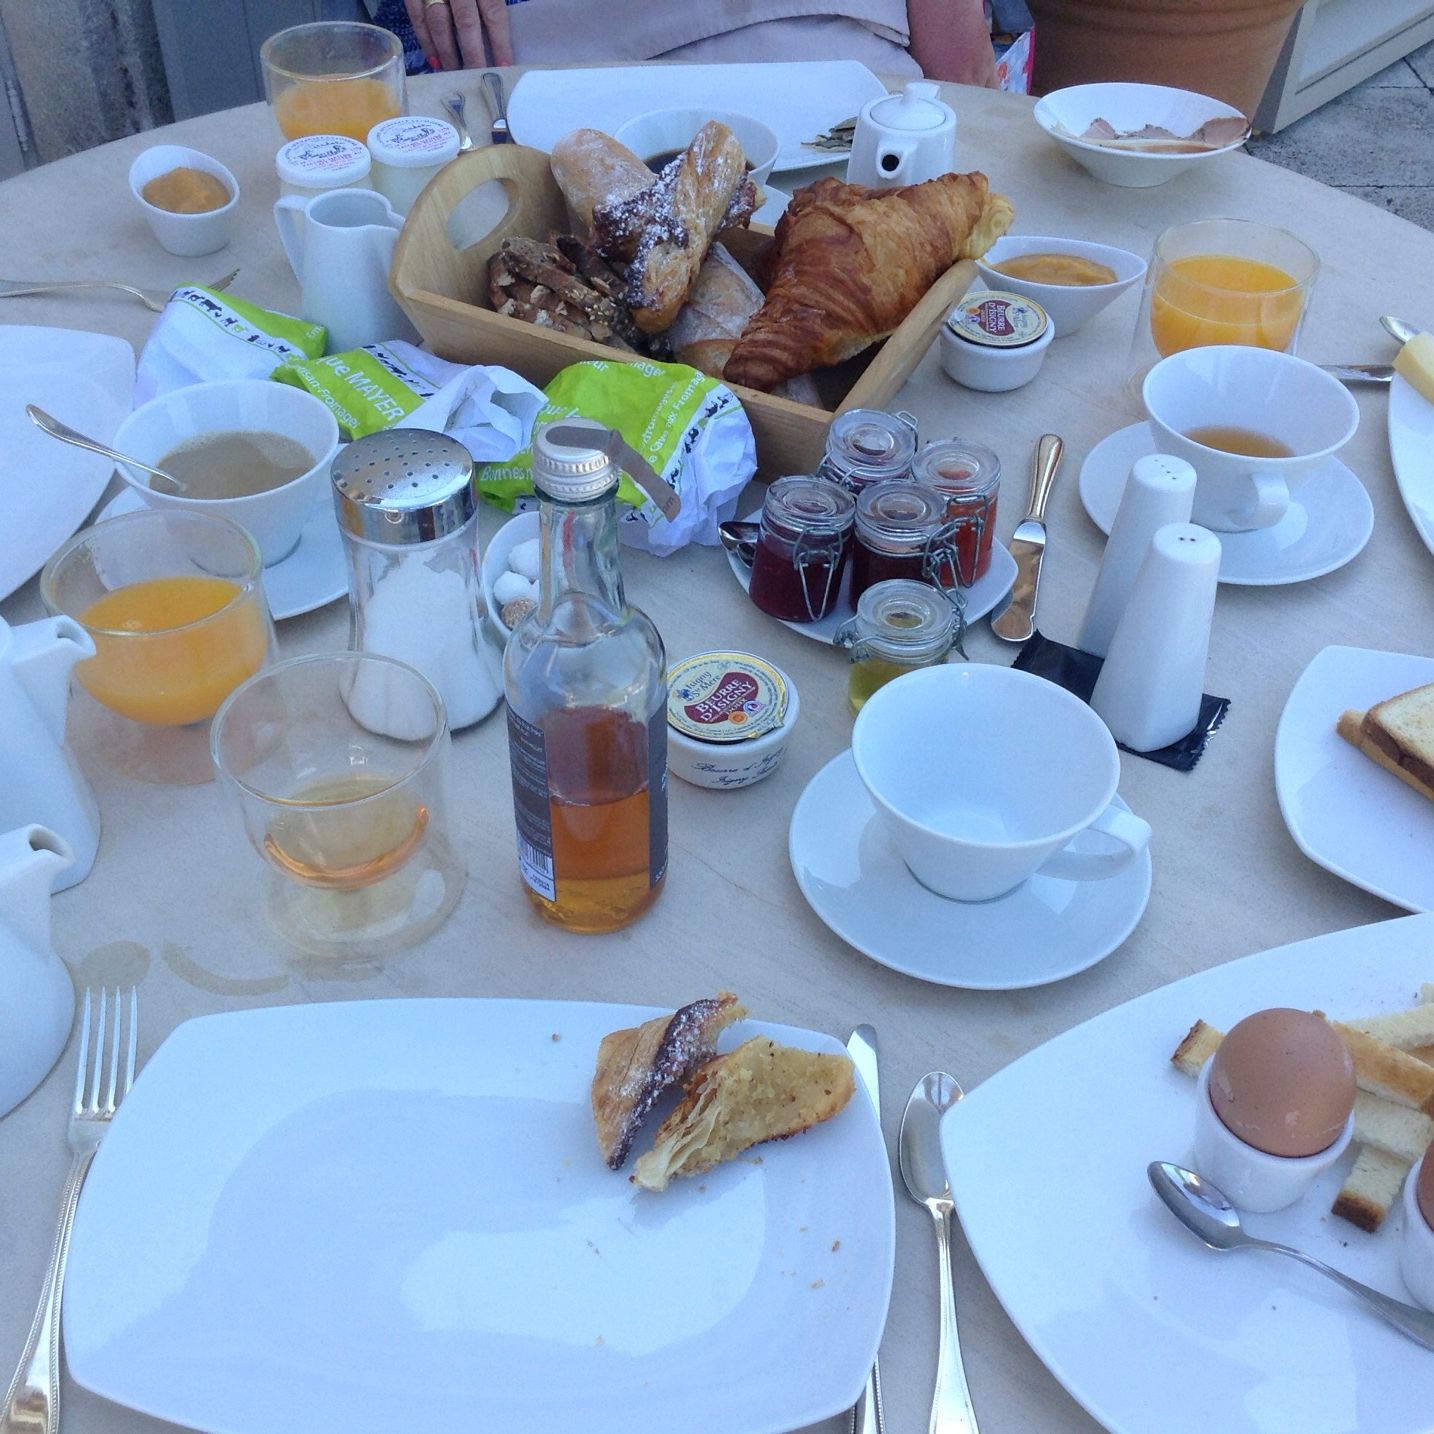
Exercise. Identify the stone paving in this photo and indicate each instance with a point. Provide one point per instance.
(1376, 140)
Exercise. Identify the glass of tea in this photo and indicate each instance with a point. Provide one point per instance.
(1222, 281)
(338, 767)
(175, 604)
(333, 77)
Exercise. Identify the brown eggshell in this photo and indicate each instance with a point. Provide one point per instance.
(1282, 1081)
(1424, 1190)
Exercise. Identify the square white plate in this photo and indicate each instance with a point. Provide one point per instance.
(797, 99)
(47, 488)
(368, 1215)
(1411, 447)
(1151, 1331)
(1345, 811)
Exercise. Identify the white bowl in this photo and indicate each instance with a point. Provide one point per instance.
(722, 766)
(243, 405)
(1067, 114)
(518, 529)
(186, 234)
(659, 131)
(1069, 305)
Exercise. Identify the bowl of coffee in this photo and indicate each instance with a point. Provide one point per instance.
(255, 451)
(659, 136)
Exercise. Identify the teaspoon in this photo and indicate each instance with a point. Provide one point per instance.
(51, 425)
(1397, 328)
(740, 539)
(919, 1147)
(1203, 1209)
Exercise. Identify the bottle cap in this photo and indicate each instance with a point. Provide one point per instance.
(413, 142)
(323, 161)
(571, 474)
(403, 485)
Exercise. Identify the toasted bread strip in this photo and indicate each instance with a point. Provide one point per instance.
(1351, 727)
(1197, 1048)
(1383, 1069)
(1407, 1029)
(1371, 1188)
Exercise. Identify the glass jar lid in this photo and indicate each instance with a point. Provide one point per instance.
(870, 444)
(903, 621)
(798, 506)
(899, 517)
(957, 468)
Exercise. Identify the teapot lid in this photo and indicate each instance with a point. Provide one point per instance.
(916, 108)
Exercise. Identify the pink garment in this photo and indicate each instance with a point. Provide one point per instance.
(713, 31)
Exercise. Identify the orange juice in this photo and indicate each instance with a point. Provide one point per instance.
(334, 106)
(159, 660)
(1222, 299)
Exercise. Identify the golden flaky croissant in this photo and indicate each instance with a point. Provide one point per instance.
(849, 263)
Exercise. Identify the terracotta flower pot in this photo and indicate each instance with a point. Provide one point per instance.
(1225, 48)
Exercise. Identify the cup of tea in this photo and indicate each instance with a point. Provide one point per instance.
(1218, 282)
(249, 449)
(337, 765)
(984, 776)
(1252, 423)
(333, 77)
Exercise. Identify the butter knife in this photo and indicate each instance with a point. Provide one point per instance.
(1360, 372)
(867, 1415)
(493, 85)
(1017, 621)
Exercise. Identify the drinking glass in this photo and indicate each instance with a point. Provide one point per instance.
(333, 77)
(175, 604)
(1221, 281)
(338, 767)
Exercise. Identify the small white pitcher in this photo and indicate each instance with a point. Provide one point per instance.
(903, 139)
(340, 245)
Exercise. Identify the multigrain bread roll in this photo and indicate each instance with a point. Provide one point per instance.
(1398, 733)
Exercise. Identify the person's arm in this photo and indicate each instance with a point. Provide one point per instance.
(455, 32)
(950, 41)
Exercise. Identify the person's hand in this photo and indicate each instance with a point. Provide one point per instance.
(462, 34)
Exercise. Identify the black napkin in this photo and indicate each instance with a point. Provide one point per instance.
(1077, 671)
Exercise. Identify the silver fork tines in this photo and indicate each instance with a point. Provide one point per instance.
(104, 1072)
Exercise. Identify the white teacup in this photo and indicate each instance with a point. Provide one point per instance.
(986, 775)
(1273, 395)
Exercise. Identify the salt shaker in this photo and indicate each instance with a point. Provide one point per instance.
(1149, 690)
(409, 517)
(1160, 490)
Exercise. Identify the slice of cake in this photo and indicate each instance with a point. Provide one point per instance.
(635, 1066)
(1398, 733)
(761, 1091)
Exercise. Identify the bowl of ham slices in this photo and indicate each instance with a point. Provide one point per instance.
(1138, 136)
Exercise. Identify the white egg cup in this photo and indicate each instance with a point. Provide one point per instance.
(1252, 1179)
(1416, 1251)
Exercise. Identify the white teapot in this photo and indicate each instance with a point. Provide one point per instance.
(37, 997)
(903, 139)
(40, 781)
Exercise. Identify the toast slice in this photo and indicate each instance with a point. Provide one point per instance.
(1398, 733)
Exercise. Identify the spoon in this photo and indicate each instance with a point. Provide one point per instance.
(740, 539)
(1204, 1210)
(1397, 328)
(48, 424)
(456, 106)
(925, 1177)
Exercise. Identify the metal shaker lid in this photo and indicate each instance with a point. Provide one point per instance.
(404, 485)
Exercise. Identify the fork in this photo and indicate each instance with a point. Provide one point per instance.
(104, 1072)
(14, 288)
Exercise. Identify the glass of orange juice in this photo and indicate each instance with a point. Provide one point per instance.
(337, 764)
(1222, 281)
(333, 77)
(175, 604)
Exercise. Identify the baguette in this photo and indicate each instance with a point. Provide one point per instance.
(594, 171)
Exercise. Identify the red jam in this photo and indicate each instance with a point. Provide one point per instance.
(902, 532)
(802, 548)
(969, 475)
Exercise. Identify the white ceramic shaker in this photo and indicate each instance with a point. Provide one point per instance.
(1150, 688)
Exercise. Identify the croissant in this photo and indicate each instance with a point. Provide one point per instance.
(848, 263)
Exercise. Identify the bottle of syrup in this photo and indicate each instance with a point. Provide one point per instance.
(586, 683)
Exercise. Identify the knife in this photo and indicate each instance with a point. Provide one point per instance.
(493, 85)
(1017, 621)
(867, 1415)
(1360, 372)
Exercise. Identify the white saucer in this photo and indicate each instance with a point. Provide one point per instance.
(1047, 929)
(1328, 522)
(313, 575)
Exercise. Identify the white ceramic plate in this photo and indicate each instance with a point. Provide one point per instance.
(1147, 1328)
(353, 1216)
(47, 488)
(1345, 812)
(1411, 446)
(797, 99)
(982, 596)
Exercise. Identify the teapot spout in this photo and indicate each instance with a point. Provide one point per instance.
(29, 859)
(42, 656)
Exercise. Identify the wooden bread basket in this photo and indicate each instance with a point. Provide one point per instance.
(440, 277)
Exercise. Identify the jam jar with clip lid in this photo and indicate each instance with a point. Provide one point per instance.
(899, 626)
(969, 475)
(802, 548)
(902, 531)
(865, 446)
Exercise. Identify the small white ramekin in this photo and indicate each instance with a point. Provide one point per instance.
(184, 234)
(723, 765)
(1416, 1252)
(989, 369)
(1253, 1179)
